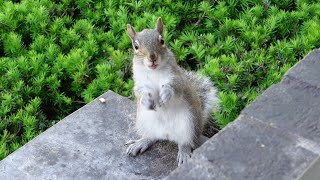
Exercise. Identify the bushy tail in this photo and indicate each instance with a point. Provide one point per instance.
(206, 91)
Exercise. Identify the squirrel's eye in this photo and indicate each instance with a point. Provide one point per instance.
(161, 41)
(136, 45)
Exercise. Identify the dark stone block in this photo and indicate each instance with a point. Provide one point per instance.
(90, 144)
(292, 105)
(308, 69)
(248, 149)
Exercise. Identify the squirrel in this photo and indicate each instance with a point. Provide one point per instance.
(173, 104)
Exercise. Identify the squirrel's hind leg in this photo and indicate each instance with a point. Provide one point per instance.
(200, 140)
(139, 146)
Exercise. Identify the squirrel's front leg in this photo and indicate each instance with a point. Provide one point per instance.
(166, 93)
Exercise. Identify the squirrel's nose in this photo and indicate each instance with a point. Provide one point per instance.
(152, 57)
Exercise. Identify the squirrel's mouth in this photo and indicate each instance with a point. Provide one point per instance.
(153, 66)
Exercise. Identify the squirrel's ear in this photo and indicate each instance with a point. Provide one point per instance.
(160, 25)
(131, 31)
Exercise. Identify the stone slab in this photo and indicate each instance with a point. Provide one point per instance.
(248, 149)
(90, 144)
(308, 69)
(292, 105)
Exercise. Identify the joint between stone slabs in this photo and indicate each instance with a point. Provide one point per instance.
(202, 162)
(308, 144)
(288, 77)
(301, 141)
(245, 115)
(307, 69)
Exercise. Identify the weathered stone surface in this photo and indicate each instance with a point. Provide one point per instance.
(89, 144)
(308, 69)
(292, 105)
(248, 149)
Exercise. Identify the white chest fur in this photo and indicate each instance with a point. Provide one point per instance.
(172, 121)
(153, 79)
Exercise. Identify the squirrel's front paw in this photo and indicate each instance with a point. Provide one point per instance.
(165, 95)
(138, 146)
(148, 102)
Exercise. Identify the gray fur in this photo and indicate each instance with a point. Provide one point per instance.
(205, 90)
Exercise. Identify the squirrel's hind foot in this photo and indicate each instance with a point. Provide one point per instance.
(184, 154)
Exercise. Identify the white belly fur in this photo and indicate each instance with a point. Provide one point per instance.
(172, 122)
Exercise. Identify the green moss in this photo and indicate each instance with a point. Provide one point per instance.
(56, 56)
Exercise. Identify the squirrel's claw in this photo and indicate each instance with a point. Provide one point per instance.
(130, 142)
(139, 146)
(182, 158)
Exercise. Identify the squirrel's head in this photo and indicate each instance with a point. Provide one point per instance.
(149, 45)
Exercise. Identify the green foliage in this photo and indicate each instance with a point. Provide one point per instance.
(55, 56)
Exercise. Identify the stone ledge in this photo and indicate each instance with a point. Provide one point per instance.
(291, 105)
(89, 144)
(248, 149)
(307, 70)
(276, 137)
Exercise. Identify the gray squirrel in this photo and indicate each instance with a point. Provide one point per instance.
(173, 104)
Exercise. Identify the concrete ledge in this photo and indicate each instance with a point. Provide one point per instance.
(89, 144)
(276, 137)
(248, 149)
